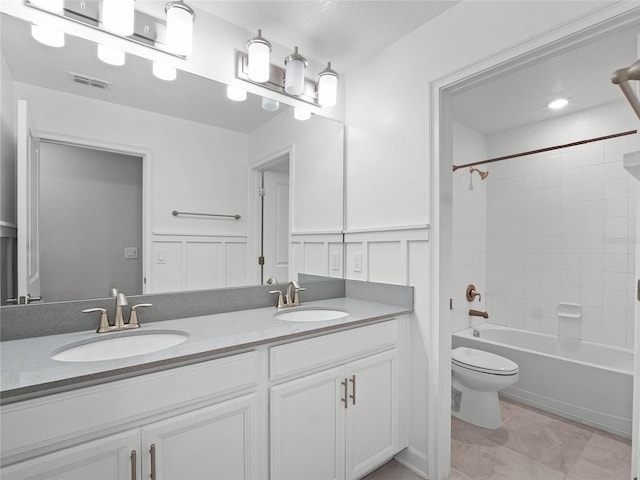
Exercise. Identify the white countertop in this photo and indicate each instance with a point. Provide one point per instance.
(29, 371)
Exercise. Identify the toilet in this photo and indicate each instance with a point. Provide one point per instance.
(476, 378)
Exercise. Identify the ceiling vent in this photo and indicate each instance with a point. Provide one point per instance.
(90, 81)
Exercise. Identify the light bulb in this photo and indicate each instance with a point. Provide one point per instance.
(236, 93)
(118, 16)
(301, 113)
(47, 35)
(180, 27)
(164, 71)
(259, 50)
(270, 105)
(294, 73)
(558, 103)
(111, 55)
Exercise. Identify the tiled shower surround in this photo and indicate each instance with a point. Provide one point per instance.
(561, 228)
(549, 228)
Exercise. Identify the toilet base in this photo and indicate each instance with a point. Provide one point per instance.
(476, 407)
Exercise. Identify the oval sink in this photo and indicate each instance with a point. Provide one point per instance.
(311, 315)
(128, 345)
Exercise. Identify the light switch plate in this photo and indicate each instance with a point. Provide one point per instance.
(335, 261)
(357, 262)
(130, 252)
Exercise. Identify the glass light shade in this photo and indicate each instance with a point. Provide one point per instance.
(118, 16)
(259, 62)
(301, 113)
(270, 105)
(47, 35)
(179, 28)
(50, 5)
(294, 77)
(111, 55)
(327, 87)
(164, 71)
(236, 94)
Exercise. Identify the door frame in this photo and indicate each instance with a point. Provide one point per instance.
(441, 91)
(147, 186)
(254, 210)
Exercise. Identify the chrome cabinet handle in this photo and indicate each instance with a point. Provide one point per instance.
(133, 465)
(345, 384)
(152, 450)
(353, 396)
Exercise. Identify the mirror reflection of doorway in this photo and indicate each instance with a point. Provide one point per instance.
(274, 237)
(90, 222)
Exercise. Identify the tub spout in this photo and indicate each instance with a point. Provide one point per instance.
(478, 313)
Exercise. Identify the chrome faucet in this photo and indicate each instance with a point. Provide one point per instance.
(118, 324)
(291, 298)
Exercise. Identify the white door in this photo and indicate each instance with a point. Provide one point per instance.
(307, 427)
(372, 416)
(276, 226)
(216, 442)
(109, 458)
(28, 178)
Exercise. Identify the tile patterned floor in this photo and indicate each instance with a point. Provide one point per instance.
(534, 445)
(530, 445)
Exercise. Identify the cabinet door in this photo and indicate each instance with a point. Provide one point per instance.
(108, 458)
(307, 427)
(217, 442)
(372, 433)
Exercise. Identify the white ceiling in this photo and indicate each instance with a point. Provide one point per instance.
(520, 97)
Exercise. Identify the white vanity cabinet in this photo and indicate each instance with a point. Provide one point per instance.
(192, 422)
(342, 421)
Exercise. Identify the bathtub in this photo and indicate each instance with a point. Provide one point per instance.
(583, 381)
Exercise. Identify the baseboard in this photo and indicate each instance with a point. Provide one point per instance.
(414, 460)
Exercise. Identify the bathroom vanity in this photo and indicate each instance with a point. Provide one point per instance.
(246, 396)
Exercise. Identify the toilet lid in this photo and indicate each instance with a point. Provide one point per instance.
(482, 361)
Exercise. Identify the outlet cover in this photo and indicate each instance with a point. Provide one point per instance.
(130, 252)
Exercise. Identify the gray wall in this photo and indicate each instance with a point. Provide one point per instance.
(90, 210)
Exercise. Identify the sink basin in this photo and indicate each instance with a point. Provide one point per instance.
(311, 315)
(121, 346)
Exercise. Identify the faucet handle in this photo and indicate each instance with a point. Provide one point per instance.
(296, 297)
(472, 293)
(133, 316)
(280, 298)
(104, 321)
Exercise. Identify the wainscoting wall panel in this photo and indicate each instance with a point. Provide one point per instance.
(317, 254)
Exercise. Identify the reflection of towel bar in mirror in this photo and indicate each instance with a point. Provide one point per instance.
(175, 213)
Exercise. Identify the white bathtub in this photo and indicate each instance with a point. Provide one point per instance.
(583, 381)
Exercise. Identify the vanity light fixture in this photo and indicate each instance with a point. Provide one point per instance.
(295, 65)
(327, 87)
(118, 16)
(235, 93)
(301, 113)
(259, 49)
(558, 103)
(164, 71)
(111, 55)
(180, 19)
(47, 35)
(270, 105)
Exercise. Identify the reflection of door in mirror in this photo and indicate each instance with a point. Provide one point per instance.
(99, 194)
(275, 221)
(28, 176)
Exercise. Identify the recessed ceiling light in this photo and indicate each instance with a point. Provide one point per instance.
(558, 103)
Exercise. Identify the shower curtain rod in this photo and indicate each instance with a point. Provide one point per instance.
(546, 149)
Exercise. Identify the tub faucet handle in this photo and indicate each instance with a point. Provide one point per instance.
(472, 293)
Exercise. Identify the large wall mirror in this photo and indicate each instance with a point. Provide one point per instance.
(116, 162)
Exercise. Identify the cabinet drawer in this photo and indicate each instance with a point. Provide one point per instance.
(37, 424)
(305, 355)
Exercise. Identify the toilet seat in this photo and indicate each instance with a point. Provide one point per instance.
(483, 362)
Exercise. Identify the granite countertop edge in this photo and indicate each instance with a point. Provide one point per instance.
(29, 372)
